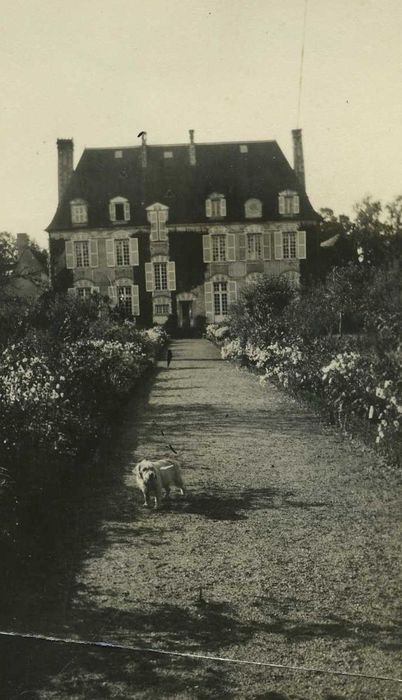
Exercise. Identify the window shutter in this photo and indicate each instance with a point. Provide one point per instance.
(162, 218)
(149, 277)
(112, 292)
(171, 273)
(135, 297)
(242, 246)
(95, 289)
(278, 245)
(301, 245)
(133, 247)
(296, 205)
(266, 242)
(232, 291)
(281, 204)
(207, 248)
(69, 255)
(71, 291)
(93, 252)
(126, 211)
(209, 301)
(223, 206)
(230, 247)
(112, 212)
(208, 209)
(110, 258)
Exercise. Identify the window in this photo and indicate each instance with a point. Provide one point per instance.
(119, 210)
(79, 212)
(244, 148)
(288, 203)
(157, 215)
(254, 246)
(125, 299)
(84, 292)
(122, 251)
(215, 206)
(289, 245)
(253, 209)
(160, 276)
(168, 154)
(219, 248)
(81, 249)
(161, 310)
(118, 154)
(220, 298)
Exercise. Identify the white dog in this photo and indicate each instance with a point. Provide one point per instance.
(152, 477)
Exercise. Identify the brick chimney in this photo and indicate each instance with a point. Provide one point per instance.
(192, 155)
(65, 153)
(144, 149)
(298, 159)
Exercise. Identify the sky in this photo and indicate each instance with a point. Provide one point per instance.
(100, 72)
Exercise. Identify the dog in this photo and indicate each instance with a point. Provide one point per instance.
(154, 477)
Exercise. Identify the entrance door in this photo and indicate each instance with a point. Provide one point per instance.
(186, 313)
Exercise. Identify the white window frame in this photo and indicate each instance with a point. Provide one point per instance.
(82, 254)
(160, 276)
(218, 245)
(289, 203)
(79, 211)
(254, 242)
(161, 302)
(289, 245)
(158, 215)
(122, 252)
(126, 210)
(215, 206)
(115, 296)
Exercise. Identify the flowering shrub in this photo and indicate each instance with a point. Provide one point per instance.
(216, 333)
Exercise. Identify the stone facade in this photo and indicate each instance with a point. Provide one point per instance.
(186, 249)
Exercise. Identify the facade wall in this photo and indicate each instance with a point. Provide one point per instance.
(185, 249)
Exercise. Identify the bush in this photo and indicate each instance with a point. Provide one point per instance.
(62, 385)
(290, 338)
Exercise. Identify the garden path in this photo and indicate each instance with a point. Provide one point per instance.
(289, 532)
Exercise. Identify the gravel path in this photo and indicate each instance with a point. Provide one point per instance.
(288, 530)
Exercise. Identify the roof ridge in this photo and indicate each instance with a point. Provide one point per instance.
(171, 145)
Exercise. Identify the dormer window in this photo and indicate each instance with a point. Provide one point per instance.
(288, 203)
(215, 206)
(119, 210)
(253, 209)
(79, 211)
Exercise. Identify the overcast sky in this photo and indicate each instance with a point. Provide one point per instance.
(100, 71)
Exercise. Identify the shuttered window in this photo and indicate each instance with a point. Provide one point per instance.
(81, 250)
(215, 206)
(254, 246)
(122, 250)
(160, 276)
(79, 212)
(289, 245)
(219, 248)
(289, 203)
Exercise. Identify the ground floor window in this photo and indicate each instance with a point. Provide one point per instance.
(161, 309)
(125, 299)
(220, 298)
(84, 292)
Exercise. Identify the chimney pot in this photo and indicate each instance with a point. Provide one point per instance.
(65, 160)
(298, 158)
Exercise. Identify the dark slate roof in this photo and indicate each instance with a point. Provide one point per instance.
(262, 172)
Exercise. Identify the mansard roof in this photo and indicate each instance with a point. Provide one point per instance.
(261, 172)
